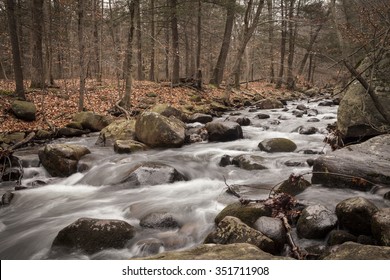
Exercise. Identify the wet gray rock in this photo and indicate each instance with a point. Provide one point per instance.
(93, 235)
(263, 116)
(129, 146)
(298, 114)
(316, 221)
(272, 228)
(243, 121)
(337, 237)
(354, 251)
(293, 185)
(368, 160)
(225, 161)
(236, 251)
(313, 120)
(381, 226)
(302, 107)
(233, 230)
(327, 103)
(224, 131)
(277, 145)
(196, 134)
(147, 247)
(71, 132)
(355, 214)
(249, 162)
(312, 112)
(156, 130)
(307, 130)
(199, 117)
(160, 220)
(61, 160)
(6, 198)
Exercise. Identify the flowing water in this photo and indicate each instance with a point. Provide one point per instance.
(29, 225)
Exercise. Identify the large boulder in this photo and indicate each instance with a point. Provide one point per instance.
(91, 121)
(355, 214)
(277, 145)
(232, 230)
(94, 235)
(224, 131)
(362, 164)
(156, 130)
(246, 213)
(117, 130)
(381, 226)
(357, 115)
(199, 117)
(354, 251)
(316, 221)
(269, 104)
(168, 111)
(24, 110)
(236, 251)
(61, 160)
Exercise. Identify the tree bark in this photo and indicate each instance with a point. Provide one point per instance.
(126, 100)
(97, 41)
(292, 30)
(140, 72)
(152, 43)
(37, 66)
(81, 39)
(221, 62)
(175, 43)
(13, 31)
(199, 45)
(282, 45)
(271, 41)
(116, 45)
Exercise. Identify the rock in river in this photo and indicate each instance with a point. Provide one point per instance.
(162, 220)
(224, 131)
(361, 164)
(381, 226)
(354, 251)
(246, 213)
(94, 235)
(276, 145)
(249, 162)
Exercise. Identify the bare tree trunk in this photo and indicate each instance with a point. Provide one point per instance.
(37, 66)
(116, 45)
(187, 53)
(271, 41)
(249, 28)
(292, 30)
(3, 72)
(81, 24)
(126, 100)
(152, 43)
(221, 62)
(140, 72)
(282, 45)
(97, 41)
(199, 46)
(13, 32)
(175, 43)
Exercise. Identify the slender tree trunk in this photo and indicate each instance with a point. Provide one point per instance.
(13, 32)
(282, 46)
(126, 100)
(81, 24)
(140, 72)
(175, 43)
(3, 72)
(291, 45)
(97, 46)
(37, 66)
(167, 51)
(271, 41)
(116, 45)
(199, 45)
(221, 62)
(49, 43)
(187, 53)
(152, 43)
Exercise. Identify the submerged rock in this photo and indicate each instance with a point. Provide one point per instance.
(355, 214)
(358, 165)
(129, 146)
(249, 162)
(233, 230)
(61, 160)
(93, 235)
(277, 145)
(162, 220)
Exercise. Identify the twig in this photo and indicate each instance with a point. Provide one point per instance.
(294, 248)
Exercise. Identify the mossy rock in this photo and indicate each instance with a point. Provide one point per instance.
(277, 145)
(24, 110)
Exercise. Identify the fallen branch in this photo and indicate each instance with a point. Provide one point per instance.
(126, 112)
(294, 248)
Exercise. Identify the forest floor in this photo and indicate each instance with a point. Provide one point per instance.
(57, 105)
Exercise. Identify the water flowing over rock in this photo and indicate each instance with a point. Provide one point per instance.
(236, 251)
(381, 226)
(368, 160)
(355, 214)
(233, 230)
(159, 220)
(248, 214)
(7, 198)
(277, 145)
(316, 221)
(156, 130)
(24, 110)
(129, 146)
(243, 121)
(263, 116)
(94, 235)
(224, 131)
(117, 130)
(249, 162)
(354, 251)
(61, 160)
(91, 121)
(357, 115)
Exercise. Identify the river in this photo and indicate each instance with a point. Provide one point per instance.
(29, 225)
